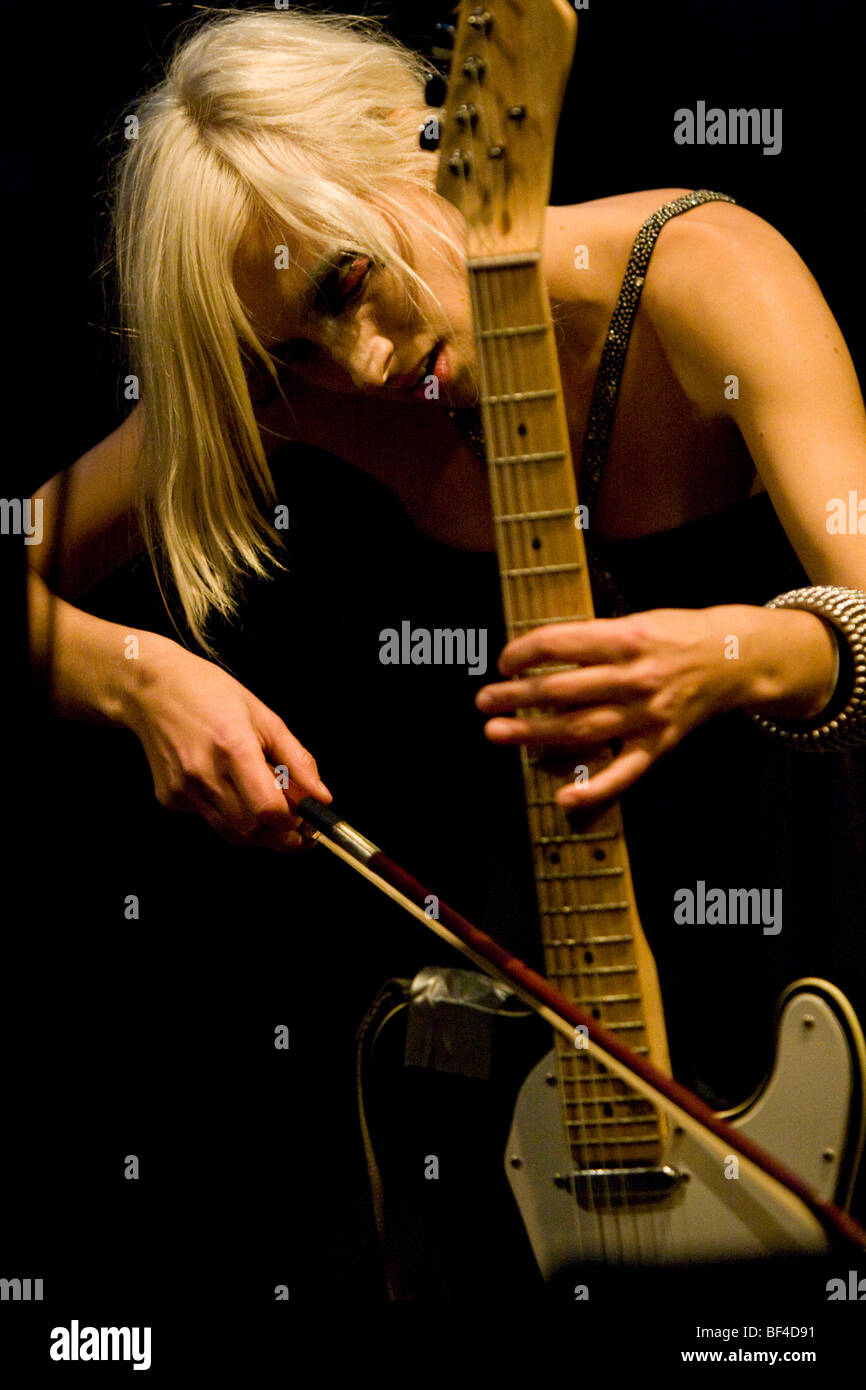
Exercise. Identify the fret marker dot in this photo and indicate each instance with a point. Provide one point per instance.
(521, 428)
(599, 854)
(588, 957)
(536, 543)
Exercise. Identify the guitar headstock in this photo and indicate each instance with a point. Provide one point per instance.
(509, 70)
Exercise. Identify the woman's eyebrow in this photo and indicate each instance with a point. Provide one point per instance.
(315, 278)
(320, 272)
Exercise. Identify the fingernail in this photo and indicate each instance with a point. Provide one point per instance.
(497, 727)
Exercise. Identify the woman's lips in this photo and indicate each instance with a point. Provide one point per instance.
(437, 366)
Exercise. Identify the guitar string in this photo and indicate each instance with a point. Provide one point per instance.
(534, 495)
(517, 504)
(504, 503)
(521, 505)
(513, 495)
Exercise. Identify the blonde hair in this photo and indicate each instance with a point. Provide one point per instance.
(271, 116)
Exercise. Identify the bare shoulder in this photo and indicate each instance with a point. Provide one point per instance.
(586, 245)
(725, 285)
(718, 246)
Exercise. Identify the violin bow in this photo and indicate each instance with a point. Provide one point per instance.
(326, 827)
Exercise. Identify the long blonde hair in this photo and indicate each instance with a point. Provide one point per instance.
(277, 116)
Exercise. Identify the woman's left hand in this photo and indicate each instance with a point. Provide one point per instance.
(644, 680)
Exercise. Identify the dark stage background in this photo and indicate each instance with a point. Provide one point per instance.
(155, 1037)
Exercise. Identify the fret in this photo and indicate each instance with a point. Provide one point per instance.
(519, 369)
(622, 1120)
(517, 396)
(551, 514)
(577, 873)
(531, 458)
(608, 970)
(607, 999)
(596, 1075)
(581, 940)
(590, 1076)
(601, 940)
(626, 1139)
(592, 998)
(612, 1100)
(541, 569)
(585, 838)
(504, 261)
(585, 907)
(515, 332)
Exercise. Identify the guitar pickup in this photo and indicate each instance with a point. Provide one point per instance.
(604, 1189)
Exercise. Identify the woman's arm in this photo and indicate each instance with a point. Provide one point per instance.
(88, 532)
(727, 298)
(211, 744)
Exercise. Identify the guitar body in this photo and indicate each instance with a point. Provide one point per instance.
(809, 1113)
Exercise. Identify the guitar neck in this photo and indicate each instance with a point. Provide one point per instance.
(594, 947)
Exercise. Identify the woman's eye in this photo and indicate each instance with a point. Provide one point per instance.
(343, 284)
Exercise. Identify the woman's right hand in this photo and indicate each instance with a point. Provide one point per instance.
(212, 748)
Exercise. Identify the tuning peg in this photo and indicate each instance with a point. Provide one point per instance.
(443, 41)
(435, 90)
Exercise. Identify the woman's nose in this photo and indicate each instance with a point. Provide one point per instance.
(370, 360)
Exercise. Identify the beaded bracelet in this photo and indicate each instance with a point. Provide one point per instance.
(842, 722)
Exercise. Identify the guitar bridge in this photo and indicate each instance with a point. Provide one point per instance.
(604, 1189)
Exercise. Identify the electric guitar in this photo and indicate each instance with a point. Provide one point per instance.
(596, 1168)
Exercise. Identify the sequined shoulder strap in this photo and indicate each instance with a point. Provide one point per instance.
(606, 389)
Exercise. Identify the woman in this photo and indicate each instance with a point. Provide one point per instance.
(233, 134)
(277, 226)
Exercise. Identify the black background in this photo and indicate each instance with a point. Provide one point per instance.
(155, 1037)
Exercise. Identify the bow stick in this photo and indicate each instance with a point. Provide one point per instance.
(327, 828)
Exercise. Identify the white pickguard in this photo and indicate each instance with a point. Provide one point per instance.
(801, 1116)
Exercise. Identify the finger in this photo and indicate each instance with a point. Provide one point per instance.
(258, 792)
(567, 730)
(285, 751)
(225, 824)
(564, 690)
(215, 819)
(266, 825)
(611, 781)
(595, 640)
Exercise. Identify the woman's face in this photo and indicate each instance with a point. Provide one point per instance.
(346, 324)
